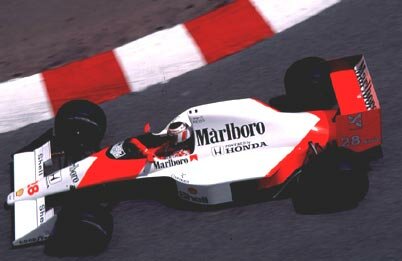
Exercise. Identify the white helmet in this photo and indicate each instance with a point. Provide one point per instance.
(179, 132)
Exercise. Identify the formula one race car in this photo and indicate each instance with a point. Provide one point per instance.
(315, 143)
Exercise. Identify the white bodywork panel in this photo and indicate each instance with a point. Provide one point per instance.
(224, 158)
(235, 140)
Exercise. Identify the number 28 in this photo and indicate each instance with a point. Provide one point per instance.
(350, 141)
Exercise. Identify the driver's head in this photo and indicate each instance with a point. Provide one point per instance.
(178, 132)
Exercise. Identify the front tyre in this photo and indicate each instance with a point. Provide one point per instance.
(81, 232)
(80, 126)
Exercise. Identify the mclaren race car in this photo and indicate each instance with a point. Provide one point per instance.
(314, 144)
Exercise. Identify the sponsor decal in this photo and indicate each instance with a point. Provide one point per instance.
(186, 196)
(357, 140)
(40, 165)
(372, 140)
(54, 178)
(207, 136)
(117, 150)
(20, 192)
(181, 177)
(171, 162)
(356, 121)
(197, 119)
(73, 173)
(236, 147)
(33, 240)
(42, 209)
(365, 85)
(193, 157)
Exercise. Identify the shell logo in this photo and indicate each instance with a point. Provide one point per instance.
(19, 192)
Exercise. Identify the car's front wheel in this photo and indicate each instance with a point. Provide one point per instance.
(81, 232)
(79, 127)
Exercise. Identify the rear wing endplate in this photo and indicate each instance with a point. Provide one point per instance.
(358, 125)
(353, 85)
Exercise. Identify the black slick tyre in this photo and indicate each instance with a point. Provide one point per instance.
(308, 85)
(80, 126)
(325, 186)
(81, 232)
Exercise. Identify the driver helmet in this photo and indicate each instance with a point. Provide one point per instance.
(179, 132)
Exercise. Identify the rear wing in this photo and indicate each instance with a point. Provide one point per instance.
(32, 222)
(353, 85)
(358, 125)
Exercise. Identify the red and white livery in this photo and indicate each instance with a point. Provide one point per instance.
(231, 142)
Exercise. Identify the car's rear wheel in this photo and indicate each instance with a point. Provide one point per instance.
(80, 126)
(330, 183)
(79, 232)
(308, 85)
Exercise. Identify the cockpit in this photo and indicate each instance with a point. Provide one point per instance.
(177, 141)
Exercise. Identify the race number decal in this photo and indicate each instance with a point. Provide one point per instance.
(33, 188)
(350, 141)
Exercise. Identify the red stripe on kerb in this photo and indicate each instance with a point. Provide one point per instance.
(98, 79)
(228, 30)
(347, 91)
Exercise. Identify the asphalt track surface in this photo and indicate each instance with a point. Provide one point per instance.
(39, 35)
(150, 230)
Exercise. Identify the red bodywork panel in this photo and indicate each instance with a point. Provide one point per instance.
(105, 170)
(356, 125)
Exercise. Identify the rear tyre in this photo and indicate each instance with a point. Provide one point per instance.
(80, 232)
(80, 126)
(308, 85)
(330, 184)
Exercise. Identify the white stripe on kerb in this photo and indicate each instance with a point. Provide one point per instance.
(23, 101)
(159, 57)
(283, 14)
